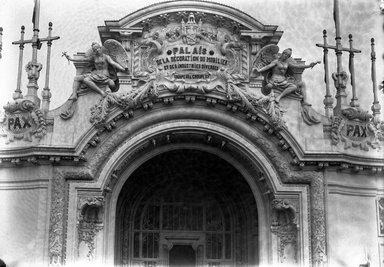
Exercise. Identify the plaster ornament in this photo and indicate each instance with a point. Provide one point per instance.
(380, 216)
(284, 225)
(356, 128)
(100, 76)
(90, 222)
(284, 213)
(33, 71)
(157, 83)
(22, 120)
(183, 59)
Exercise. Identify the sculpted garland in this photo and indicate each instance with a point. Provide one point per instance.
(154, 82)
(193, 58)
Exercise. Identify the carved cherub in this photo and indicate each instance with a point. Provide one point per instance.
(104, 62)
(277, 71)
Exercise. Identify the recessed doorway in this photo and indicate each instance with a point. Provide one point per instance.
(182, 256)
(184, 208)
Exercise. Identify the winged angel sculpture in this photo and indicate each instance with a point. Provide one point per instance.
(277, 70)
(100, 75)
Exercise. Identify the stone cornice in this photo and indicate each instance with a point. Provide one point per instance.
(189, 5)
(131, 23)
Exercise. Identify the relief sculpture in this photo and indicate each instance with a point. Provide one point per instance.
(380, 216)
(188, 58)
(89, 224)
(179, 55)
(284, 225)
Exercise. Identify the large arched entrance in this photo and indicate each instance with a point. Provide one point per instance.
(186, 207)
(162, 189)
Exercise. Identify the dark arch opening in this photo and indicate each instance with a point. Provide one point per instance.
(186, 197)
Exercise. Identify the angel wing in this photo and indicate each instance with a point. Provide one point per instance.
(265, 56)
(117, 52)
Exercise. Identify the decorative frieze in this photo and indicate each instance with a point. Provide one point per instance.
(58, 215)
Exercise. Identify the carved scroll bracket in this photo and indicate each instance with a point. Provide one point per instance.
(90, 214)
(284, 225)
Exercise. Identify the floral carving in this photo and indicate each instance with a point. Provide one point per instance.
(57, 218)
(87, 234)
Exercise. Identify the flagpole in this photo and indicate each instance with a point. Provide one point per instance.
(33, 68)
(35, 38)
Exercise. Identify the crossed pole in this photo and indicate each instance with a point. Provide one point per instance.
(33, 68)
(340, 77)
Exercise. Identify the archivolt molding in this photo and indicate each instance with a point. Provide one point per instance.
(276, 157)
(287, 175)
(104, 141)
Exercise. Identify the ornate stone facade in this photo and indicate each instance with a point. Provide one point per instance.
(200, 138)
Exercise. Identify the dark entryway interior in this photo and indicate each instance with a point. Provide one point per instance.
(186, 192)
(182, 256)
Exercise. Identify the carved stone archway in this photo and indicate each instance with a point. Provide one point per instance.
(252, 163)
(264, 166)
(187, 197)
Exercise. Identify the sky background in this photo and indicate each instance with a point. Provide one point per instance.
(302, 22)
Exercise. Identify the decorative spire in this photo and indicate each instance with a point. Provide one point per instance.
(33, 67)
(354, 100)
(328, 100)
(1, 40)
(46, 94)
(18, 94)
(376, 104)
(340, 77)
